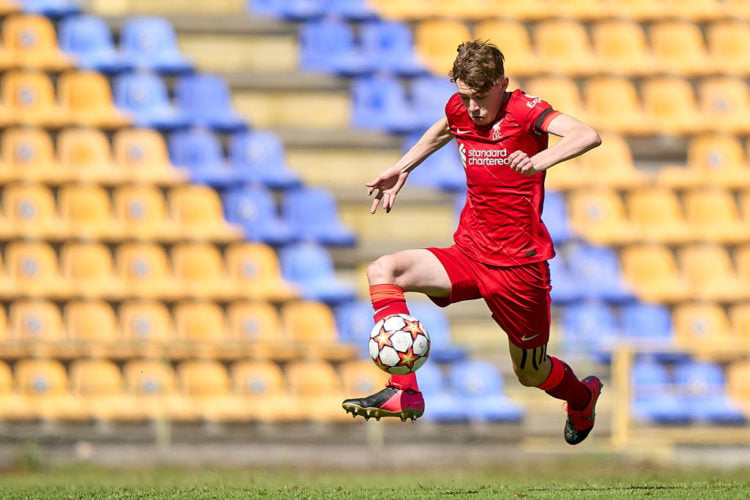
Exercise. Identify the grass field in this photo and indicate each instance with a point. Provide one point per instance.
(579, 478)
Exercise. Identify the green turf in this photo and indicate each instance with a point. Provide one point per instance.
(566, 479)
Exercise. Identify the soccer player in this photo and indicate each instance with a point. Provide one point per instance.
(501, 245)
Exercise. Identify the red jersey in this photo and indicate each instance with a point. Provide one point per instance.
(501, 222)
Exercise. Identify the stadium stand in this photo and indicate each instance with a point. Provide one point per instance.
(482, 391)
(679, 48)
(512, 35)
(145, 96)
(262, 388)
(151, 42)
(33, 41)
(563, 46)
(622, 48)
(89, 40)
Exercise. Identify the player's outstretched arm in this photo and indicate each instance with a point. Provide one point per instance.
(387, 185)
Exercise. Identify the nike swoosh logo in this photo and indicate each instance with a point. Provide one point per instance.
(526, 339)
(459, 131)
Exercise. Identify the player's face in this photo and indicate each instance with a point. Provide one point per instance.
(482, 107)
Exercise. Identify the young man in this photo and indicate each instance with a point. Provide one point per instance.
(501, 245)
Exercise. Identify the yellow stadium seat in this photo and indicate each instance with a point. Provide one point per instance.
(30, 98)
(33, 42)
(699, 11)
(436, 40)
(93, 329)
(37, 327)
(710, 271)
(360, 376)
(316, 384)
(87, 211)
(652, 270)
(561, 92)
(737, 374)
(199, 268)
(100, 386)
(672, 106)
(611, 164)
(742, 262)
(87, 96)
(199, 214)
(31, 212)
(262, 387)
(739, 319)
(599, 214)
(679, 48)
(33, 270)
(514, 40)
(147, 327)
(8, 7)
(712, 159)
(640, 10)
(402, 11)
(657, 214)
(255, 326)
(312, 326)
(13, 407)
(523, 10)
(142, 211)
(254, 268)
(86, 155)
(145, 270)
(44, 384)
(465, 10)
(9, 348)
(201, 330)
(613, 103)
(153, 383)
(564, 47)
(29, 155)
(622, 47)
(702, 327)
(581, 10)
(715, 216)
(725, 103)
(207, 384)
(90, 267)
(728, 45)
(143, 153)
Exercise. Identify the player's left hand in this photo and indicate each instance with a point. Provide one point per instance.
(521, 163)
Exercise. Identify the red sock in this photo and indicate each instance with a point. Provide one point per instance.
(563, 384)
(386, 300)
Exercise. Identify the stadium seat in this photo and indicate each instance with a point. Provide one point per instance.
(590, 328)
(622, 47)
(33, 41)
(599, 215)
(254, 268)
(151, 43)
(352, 10)
(737, 387)
(481, 392)
(428, 95)
(380, 102)
(361, 377)
(207, 384)
(37, 327)
(143, 153)
(144, 95)
(13, 407)
(742, 262)
(564, 47)
(728, 45)
(316, 384)
(141, 210)
(199, 213)
(715, 215)
(313, 213)
(402, 11)
(702, 386)
(44, 384)
(514, 40)
(153, 384)
(200, 271)
(443, 170)
(311, 325)
(612, 164)
(30, 212)
(435, 320)
(199, 152)
(254, 209)
(90, 266)
(390, 47)
(30, 98)
(710, 272)
(88, 39)
(206, 100)
(556, 217)
(147, 327)
(658, 215)
(329, 45)
(87, 211)
(354, 320)
(101, 388)
(436, 41)
(201, 330)
(93, 329)
(463, 10)
(648, 326)
(145, 270)
(613, 103)
(712, 158)
(52, 8)
(255, 327)
(679, 48)
(33, 270)
(443, 404)
(291, 10)
(310, 266)
(86, 155)
(651, 269)
(565, 289)
(259, 156)
(724, 102)
(8, 7)
(671, 105)
(702, 328)
(29, 155)
(560, 91)
(640, 10)
(262, 387)
(582, 10)
(739, 320)
(87, 98)
(654, 396)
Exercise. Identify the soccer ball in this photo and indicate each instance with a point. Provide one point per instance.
(399, 344)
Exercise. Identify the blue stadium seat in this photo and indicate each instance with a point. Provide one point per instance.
(654, 398)
(310, 266)
(596, 270)
(355, 321)
(555, 217)
(206, 100)
(253, 208)
(259, 156)
(380, 102)
(144, 94)
(442, 348)
(89, 40)
(51, 8)
(329, 45)
(702, 385)
(151, 43)
(312, 213)
(292, 10)
(428, 95)
(590, 327)
(441, 403)
(565, 289)
(199, 151)
(353, 10)
(649, 326)
(390, 45)
(480, 389)
(443, 170)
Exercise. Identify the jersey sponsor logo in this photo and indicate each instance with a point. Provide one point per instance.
(484, 157)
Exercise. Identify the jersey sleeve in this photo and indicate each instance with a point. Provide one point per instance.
(533, 113)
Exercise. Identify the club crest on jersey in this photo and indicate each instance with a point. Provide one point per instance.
(495, 136)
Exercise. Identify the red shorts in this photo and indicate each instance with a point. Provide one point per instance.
(518, 296)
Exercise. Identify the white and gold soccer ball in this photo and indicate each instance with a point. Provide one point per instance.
(399, 344)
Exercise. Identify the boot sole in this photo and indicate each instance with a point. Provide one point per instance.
(378, 413)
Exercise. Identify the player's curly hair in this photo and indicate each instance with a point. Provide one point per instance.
(479, 64)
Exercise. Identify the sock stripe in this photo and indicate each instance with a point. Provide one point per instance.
(386, 292)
